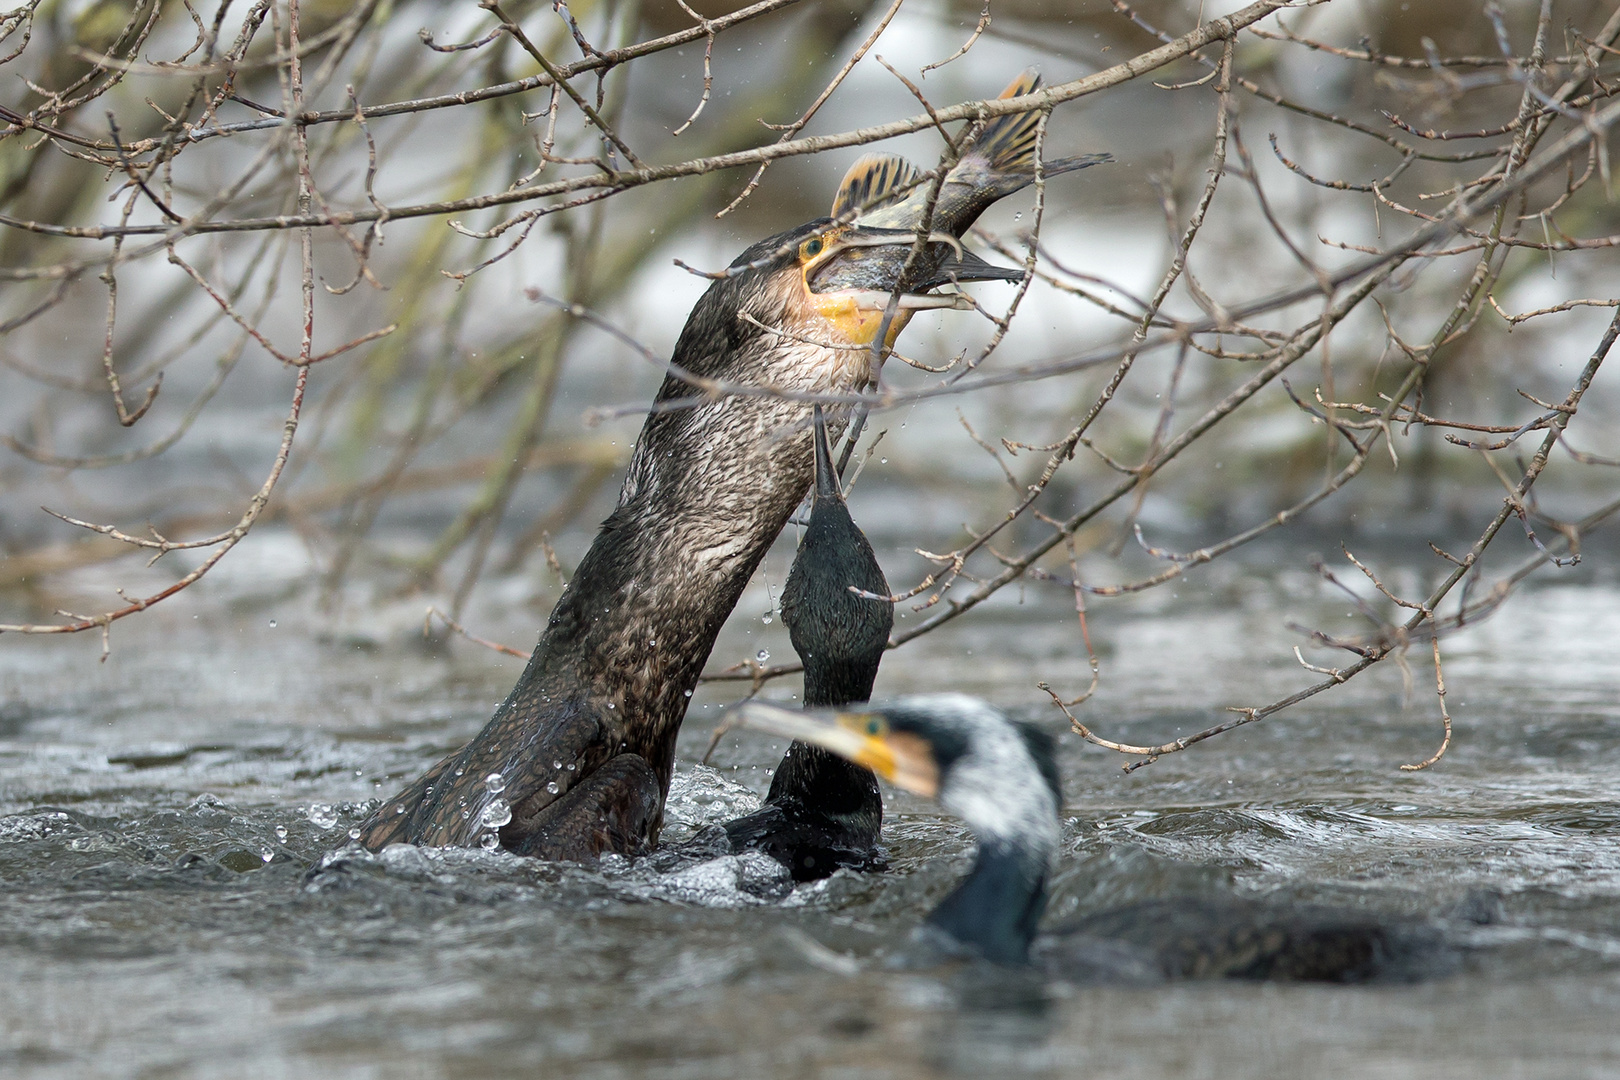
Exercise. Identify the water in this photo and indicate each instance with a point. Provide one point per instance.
(173, 907)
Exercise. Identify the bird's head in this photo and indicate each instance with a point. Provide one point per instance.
(836, 281)
(998, 775)
(890, 240)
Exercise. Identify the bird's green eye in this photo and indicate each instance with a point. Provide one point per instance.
(873, 725)
(812, 248)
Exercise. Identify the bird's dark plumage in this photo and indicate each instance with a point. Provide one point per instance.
(1235, 938)
(823, 811)
(707, 491)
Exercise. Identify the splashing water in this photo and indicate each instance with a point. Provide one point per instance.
(322, 815)
(496, 814)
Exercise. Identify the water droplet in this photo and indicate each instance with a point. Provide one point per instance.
(883, 461)
(266, 854)
(767, 618)
(321, 815)
(281, 833)
(460, 771)
(688, 693)
(553, 787)
(570, 766)
(272, 624)
(490, 842)
(400, 809)
(610, 704)
(763, 655)
(1018, 216)
(495, 782)
(496, 814)
(354, 834)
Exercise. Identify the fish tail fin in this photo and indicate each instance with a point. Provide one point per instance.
(1008, 142)
(874, 180)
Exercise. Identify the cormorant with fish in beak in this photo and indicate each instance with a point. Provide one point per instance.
(577, 760)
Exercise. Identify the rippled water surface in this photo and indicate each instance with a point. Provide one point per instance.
(165, 912)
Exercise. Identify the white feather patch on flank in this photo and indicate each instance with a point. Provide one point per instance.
(996, 788)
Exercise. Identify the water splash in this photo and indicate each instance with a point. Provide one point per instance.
(322, 815)
(700, 796)
(496, 814)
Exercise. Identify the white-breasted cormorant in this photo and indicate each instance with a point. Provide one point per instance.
(1000, 778)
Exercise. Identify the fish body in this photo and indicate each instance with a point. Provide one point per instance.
(884, 197)
(887, 191)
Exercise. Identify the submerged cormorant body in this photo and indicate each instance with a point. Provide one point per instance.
(1000, 778)
(577, 760)
(824, 811)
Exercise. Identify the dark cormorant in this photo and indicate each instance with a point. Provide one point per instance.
(1000, 778)
(824, 811)
(577, 760)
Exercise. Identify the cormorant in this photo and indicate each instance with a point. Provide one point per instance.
(823, 811)
(577, 760)
(999, 777)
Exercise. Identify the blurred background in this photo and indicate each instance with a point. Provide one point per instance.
(436, 463)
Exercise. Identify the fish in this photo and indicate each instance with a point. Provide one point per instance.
(884, 198)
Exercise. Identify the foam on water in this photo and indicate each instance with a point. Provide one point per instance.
(700, 796)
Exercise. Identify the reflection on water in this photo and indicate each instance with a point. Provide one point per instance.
(178, 901)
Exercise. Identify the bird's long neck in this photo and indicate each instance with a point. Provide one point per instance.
(707, 492)
(841, 682)
(997, 907)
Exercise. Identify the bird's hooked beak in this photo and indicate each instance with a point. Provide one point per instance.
(903, 759)
(849, 275)
(867, 266)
